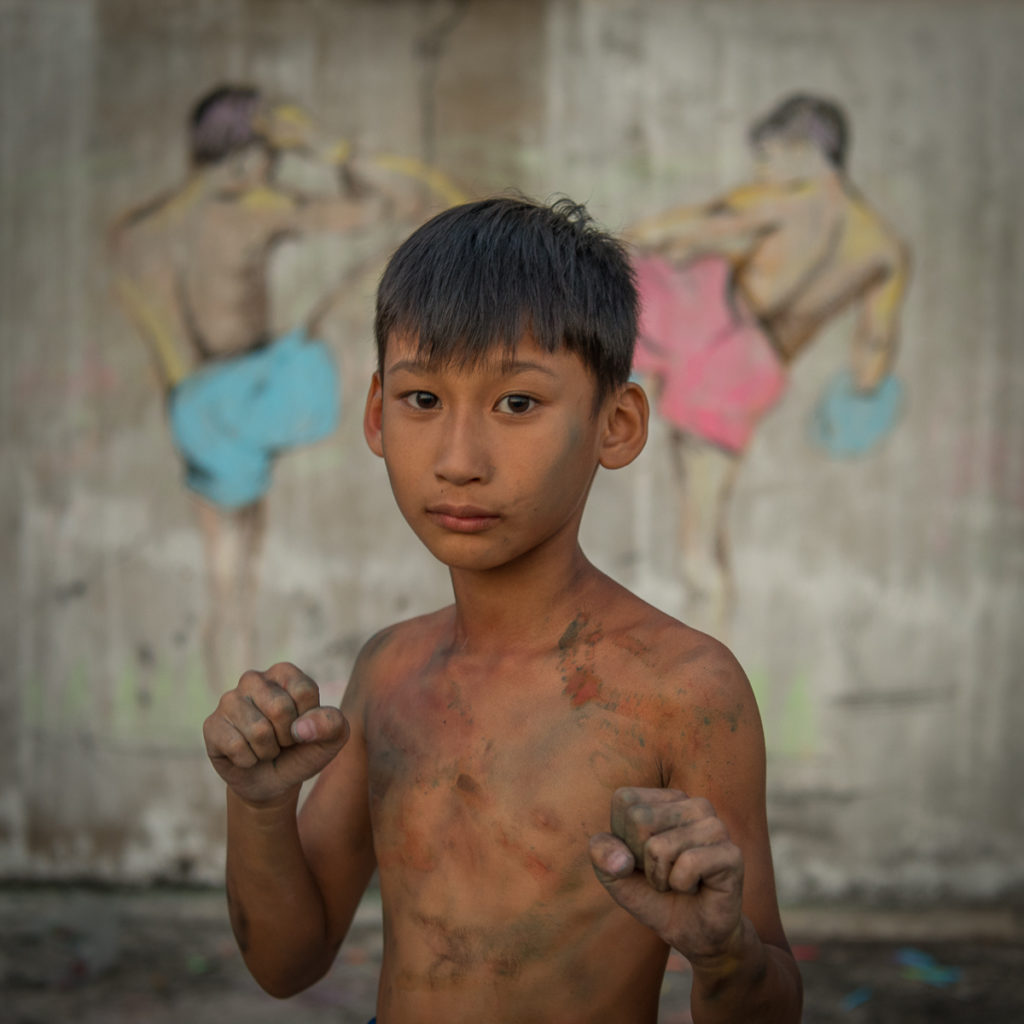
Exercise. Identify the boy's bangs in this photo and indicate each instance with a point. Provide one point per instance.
(464, 346)
(476, 279)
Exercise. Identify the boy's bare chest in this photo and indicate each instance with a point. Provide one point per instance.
(509, 774)
(486, 783)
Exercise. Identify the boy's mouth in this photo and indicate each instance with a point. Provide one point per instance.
(462, 518)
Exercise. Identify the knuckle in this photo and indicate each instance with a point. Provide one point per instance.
(660, 848)
(717, 832)
(279, 705)
(702, 807)
(292, 680)
(261, 731)
(249, 680)
(683, 875)
(304, 690)
(238, 752)
(228, 702)
(639, 815)
(625, 797)
(285, 672)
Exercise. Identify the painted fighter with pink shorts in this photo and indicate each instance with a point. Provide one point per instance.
(732, 290)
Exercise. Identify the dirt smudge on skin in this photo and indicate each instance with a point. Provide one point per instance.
(568, 639)
(467, 784)
(537, 868)
(454, 953)
(505, 950)
(582, 686)
(547, 819)
(574, 635)
(576, 657)
(718, 717)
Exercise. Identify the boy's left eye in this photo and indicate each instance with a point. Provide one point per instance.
(422, 400)
(516, 404)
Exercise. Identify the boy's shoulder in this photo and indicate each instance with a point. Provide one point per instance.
(694, 701)
(656, 655)
(402, 643)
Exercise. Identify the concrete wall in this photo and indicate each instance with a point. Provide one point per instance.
(880, 598)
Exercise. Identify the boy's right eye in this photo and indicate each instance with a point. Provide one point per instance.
(422, 400)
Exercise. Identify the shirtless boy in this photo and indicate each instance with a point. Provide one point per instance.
(732, 292)
(480, 751)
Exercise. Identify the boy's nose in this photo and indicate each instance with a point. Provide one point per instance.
(462, 455)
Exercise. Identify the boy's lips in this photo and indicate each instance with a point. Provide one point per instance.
(462, 518)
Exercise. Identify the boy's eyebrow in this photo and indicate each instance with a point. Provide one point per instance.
(422, 366)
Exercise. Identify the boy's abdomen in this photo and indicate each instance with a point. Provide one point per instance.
(489, 896)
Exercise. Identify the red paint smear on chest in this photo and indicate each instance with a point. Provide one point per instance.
(582, 686)
(538, 868)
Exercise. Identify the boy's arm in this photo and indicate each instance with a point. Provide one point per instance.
(267, 737)
(694, 863)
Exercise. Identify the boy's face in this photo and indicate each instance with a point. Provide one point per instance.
(489, 462)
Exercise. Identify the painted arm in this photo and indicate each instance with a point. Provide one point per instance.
(372, 191)
(145, 307)
(876, 334)
(732, 223)
(288, 129)
(156, 328)
(292, 889)
(383, 186)
(697, 869)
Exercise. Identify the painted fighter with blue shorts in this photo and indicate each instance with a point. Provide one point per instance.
(192, 274)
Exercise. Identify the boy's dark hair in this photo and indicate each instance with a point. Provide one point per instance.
(803, 117)
(222, 122)
(480, 275)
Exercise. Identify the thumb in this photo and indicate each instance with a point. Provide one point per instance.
(322, 725)
(615, 867)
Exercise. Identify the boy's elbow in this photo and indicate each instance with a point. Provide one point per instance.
(281, 989)
(282, 981)
(285, 986)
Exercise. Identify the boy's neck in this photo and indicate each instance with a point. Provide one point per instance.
(522, 606)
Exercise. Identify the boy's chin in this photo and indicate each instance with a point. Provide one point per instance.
(469, 553)
(468, 562)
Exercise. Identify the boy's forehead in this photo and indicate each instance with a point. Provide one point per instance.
(404, 351)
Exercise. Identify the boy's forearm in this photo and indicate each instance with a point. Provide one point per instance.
(276, 908)
(758, 984)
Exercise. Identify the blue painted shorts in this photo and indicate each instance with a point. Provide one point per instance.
(230, 419)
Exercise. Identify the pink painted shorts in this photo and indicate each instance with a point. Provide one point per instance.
(718, 371)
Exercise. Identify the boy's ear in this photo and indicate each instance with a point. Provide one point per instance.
(625, 433)
(373, 415)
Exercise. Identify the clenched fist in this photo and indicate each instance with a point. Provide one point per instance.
(669, 861)
(270, 734)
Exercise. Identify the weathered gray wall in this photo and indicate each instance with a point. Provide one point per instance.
(881, 607)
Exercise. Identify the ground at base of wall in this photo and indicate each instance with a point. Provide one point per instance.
(163, 956)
